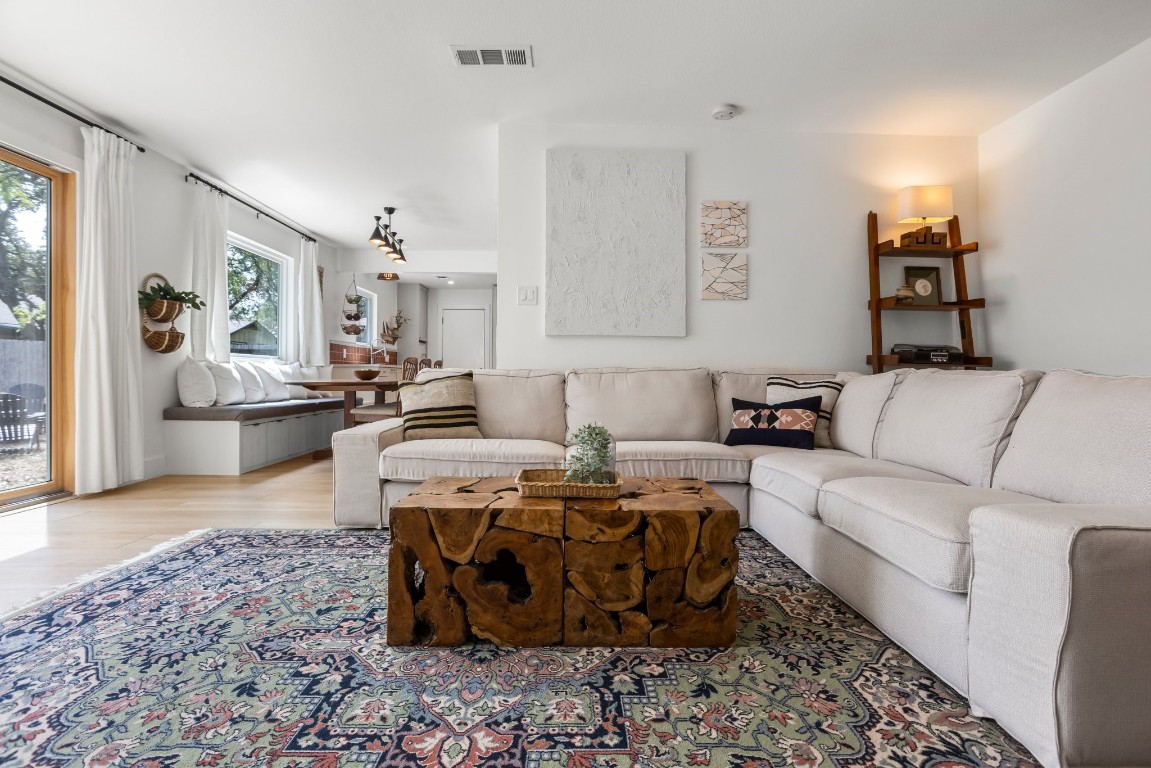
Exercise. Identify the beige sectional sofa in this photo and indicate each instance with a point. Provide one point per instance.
(997, 525)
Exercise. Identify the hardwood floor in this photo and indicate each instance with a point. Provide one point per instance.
(49, 545)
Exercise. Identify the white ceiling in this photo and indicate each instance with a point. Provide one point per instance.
(328, 111)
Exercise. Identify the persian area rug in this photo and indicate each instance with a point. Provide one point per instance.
(266, 648)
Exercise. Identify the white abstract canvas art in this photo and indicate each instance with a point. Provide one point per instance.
(724, 276)
(616, 243)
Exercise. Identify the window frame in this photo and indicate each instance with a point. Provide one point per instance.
(287, 292)
(370, 318)
(62, 334)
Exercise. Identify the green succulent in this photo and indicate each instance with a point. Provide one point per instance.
(593, 458)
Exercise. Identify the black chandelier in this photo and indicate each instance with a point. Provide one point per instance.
(384, 238)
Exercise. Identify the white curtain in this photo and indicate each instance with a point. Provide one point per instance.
(209, 326)
(311, 348)
(109, 430)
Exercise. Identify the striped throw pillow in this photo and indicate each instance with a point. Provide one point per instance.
(780, 388)
(443, 407)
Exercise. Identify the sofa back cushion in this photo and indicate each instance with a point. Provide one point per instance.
(751, 384)
(857, 412)
(521, 404)
(956, 423)
(1082, 439)
(645, 403)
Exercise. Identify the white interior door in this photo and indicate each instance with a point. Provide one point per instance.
(465, 337)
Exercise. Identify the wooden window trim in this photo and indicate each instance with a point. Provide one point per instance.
(62, 339)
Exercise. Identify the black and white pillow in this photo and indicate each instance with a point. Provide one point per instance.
(443, 407)
(780, 388)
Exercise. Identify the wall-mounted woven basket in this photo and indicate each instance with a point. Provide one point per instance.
(160, 311)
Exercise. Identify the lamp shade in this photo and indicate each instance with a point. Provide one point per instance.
(377, 237)
(927, 205)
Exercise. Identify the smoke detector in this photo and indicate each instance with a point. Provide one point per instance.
(724, 112)
(494, 55)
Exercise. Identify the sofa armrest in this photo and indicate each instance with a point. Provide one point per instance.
(1059, 643)
(356, 471)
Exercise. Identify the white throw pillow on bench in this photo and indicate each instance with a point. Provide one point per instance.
(253, 387)
(195, 383)
(275, 389)
(229, 388)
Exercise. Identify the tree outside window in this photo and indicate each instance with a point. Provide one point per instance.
(254, 302)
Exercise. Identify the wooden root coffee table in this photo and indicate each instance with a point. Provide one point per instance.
(471, 559)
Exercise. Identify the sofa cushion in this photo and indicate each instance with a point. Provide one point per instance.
(421, 459)
(698, 459)
(750, 384)
(956, 423)
(857, 412)
(440, 408)
(1082, 439)
(643, 403)
(783, 388)
(788, 425)
(919, 526)
(797, 476)
(524, 404)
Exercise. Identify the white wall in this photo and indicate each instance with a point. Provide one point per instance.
(1063, 212)
(163, 211)
(809, 196)
(454, 298)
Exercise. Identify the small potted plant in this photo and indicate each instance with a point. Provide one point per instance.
(163, 303)
(593, 456)
(392, 325)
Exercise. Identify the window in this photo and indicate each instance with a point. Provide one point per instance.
(367, 317)
(36, 208)
(258, 282)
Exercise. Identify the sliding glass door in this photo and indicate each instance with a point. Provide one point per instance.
(35, 241)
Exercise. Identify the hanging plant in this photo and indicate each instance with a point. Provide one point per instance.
(163, 303)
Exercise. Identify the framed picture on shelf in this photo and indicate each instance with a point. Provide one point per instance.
(924, 281)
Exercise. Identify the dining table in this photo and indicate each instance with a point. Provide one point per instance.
(350, 388)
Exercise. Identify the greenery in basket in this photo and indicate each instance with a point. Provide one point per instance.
(158, 291)
(591, 461)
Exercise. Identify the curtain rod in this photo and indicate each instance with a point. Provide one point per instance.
(259, 211)
(65, 110)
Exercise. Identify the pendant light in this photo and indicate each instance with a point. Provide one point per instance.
(385, 240)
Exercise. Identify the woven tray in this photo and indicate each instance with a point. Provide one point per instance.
(549, 483)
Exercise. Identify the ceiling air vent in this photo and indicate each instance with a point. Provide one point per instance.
(474, 56)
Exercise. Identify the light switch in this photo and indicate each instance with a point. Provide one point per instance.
(527, 295)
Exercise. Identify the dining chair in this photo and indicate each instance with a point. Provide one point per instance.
(425, 363)
(367, 413)
(14, 425)
(438, 364)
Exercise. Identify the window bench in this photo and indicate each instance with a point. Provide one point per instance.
(234, 439)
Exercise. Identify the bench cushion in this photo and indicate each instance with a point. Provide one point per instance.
(797, 476)
(919, 526)
(253, 411)
(467, 457)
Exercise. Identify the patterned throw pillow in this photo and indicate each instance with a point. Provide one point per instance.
(443, 407)
(789, 425)
(783, 388)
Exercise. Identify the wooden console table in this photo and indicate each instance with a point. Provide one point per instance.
(471, 559)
